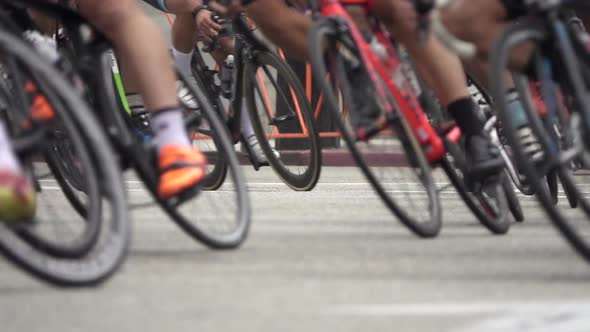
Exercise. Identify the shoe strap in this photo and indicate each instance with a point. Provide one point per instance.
(179, 165)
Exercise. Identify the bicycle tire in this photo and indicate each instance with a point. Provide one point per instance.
(108, 254)
(513, 201)
(312, 160)
(572, 194)
(550, 182)
(190, 224)
(91, 211)
(553, 186)
(323, 30)
(15, 75)
(198, 202)
(492, 215)
(527, 31)
(205, 82)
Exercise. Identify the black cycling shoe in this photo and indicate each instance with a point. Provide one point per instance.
(364, 110)
(483, 158)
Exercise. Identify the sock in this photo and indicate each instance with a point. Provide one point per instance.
(519, 117)
(8, 161)
(183, 61)
(168, 125)
(464, 112)
(245, 123)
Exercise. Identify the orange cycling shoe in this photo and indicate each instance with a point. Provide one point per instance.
(41, 109)
(181, 170)
(18, 199)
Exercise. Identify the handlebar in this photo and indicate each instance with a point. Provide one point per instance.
(222, 33)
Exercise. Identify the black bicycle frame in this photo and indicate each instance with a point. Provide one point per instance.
(245, 44)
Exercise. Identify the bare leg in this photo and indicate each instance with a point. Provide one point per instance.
(290, 32)
(444, 72)
(120, 20)
(481, 22)
(479, 70)
(435, 63)
(139, 41)
(183, 33)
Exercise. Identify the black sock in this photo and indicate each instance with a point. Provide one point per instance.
(464, 112)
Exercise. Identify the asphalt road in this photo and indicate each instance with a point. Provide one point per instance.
(333, 259)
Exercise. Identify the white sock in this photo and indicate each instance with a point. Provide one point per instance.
(245, 123)
(169, 128)
(8, 161)
(183, 61)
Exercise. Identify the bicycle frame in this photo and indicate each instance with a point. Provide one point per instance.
(118, 81)
(245, 44)
(409, 106)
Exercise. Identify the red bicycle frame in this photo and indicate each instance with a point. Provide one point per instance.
(409, 106)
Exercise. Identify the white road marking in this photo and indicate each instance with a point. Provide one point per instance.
(549, 321)
(397, 192)
(549, 316)
(460, 309)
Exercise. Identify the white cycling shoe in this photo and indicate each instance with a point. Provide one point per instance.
(252, 147)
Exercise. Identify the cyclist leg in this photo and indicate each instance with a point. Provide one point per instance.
(184, 31)
(286, 27)
(434, 61)
(444, 73)
(482, 21)
(138, 39)
(184, 27)
(17, 194)
(479, 71)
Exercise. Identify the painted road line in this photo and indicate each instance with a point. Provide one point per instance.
(459, 309)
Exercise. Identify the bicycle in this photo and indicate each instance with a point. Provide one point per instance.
(88, 52)
(287, 133)
(563, 150)
(562, 132)
(420, 143)
(98, 244)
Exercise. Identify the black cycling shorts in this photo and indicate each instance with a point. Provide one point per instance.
(514, 8)
(582, 7)
(158, 4)
(517, 8)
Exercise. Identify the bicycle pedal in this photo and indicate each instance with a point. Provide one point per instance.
(257, 165)
(279, 119)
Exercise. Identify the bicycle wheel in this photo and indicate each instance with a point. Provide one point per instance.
(553, 186)
(200, 132)
(575, 130)
(569, 188)
(221, 218)
(513, 201)
(489, 203)
(111, 246)
(82, 230)
(398, 159)
(284, 128)
(568, 221)
(512, 178)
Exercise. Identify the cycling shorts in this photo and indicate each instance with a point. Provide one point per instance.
(158, 4)
(368, 4)
(517, 8)
(514, 8)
